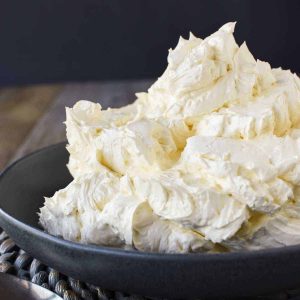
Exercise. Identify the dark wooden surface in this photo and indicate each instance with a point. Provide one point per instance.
(32, 117)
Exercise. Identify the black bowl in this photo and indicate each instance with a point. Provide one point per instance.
(181, 276)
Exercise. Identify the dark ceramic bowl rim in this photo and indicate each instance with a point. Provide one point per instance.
(134, 253)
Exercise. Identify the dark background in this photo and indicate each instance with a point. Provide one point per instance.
(56, 40)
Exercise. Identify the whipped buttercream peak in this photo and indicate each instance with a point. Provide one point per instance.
(228, 27)
(192, 37)
(208, 157)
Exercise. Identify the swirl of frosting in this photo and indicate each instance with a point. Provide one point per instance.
(207, 159)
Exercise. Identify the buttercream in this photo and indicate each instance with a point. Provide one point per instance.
(208, 157)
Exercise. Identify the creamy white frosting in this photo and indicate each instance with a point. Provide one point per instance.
(208, 157)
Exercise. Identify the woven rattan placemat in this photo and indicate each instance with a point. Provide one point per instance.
(16, 261)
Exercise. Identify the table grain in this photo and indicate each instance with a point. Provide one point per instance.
(31, 117)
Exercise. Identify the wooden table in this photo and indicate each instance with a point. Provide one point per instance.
(31, 117)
